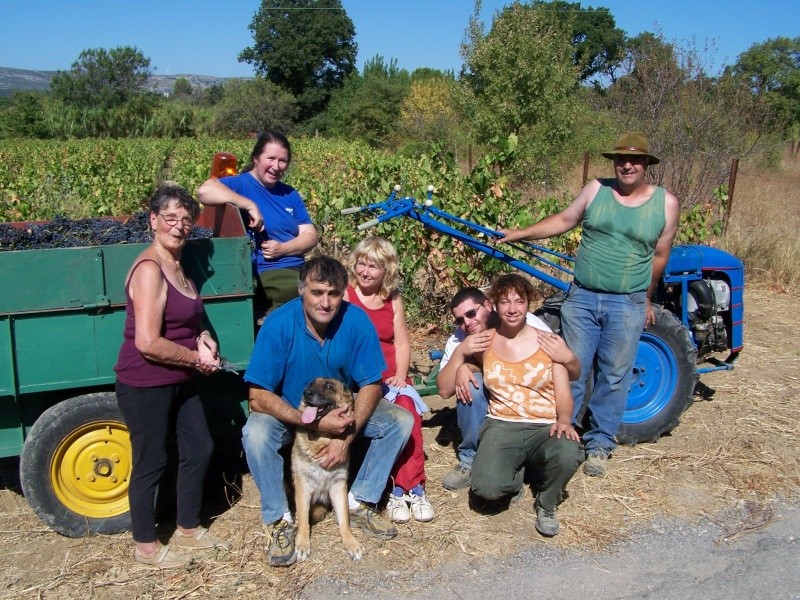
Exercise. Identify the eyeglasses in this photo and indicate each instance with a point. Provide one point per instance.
(470, 314)
(173, 220)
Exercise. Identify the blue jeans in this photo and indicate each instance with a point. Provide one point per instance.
(388, 430)
(606, 326)
(470, 420)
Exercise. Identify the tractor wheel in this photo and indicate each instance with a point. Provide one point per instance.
(664, 375)
(76, 464)
(663, 380)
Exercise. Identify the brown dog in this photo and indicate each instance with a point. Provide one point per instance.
(314, 484)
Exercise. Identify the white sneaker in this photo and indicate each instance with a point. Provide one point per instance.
(397, 509)
(420, 507)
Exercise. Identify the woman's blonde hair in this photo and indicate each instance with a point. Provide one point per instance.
(380, 251)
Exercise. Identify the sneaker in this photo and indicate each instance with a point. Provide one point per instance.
(420, 506)
(199, 540)
(397, 509)
(596, 463)
(366, 518)
(460, 477)
(281, 548)
(546, 521)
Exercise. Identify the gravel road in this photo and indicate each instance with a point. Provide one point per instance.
(737, 555)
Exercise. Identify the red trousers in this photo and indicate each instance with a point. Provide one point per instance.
(409, 469)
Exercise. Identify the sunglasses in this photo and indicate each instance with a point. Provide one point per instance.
(470, 314)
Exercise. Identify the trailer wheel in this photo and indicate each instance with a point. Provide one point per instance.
(75, 466)
(663, 380)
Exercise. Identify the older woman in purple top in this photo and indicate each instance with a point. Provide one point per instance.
(164, 345)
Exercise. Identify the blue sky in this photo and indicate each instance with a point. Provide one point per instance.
(204, 38)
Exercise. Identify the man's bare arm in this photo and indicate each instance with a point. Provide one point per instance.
(556, 348)
(446, 378)
(366, 401)
(334, 423)
(558, 223)
(264, 401)
(662, 250)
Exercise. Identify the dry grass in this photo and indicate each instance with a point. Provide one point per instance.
(739, 448)
(763, 225)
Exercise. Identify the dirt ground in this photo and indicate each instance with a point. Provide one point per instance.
(737, 446)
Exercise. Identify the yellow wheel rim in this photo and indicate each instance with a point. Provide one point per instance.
(91, 469)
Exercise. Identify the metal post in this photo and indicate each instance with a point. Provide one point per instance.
(585, 167)
(731, 186)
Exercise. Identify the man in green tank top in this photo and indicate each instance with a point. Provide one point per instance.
(628, 229)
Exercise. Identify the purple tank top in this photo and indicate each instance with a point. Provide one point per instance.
(182, 324)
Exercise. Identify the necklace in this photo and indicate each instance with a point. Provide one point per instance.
(178, 267)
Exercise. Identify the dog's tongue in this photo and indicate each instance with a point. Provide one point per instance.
(309, 414)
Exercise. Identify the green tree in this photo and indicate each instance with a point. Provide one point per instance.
(368, 106)
(212, 95)
(599, 45)
(303, 46)
(522, 79)
(772, 69)
(25, 116)
(696, 123)
(430, 112)
(102, 78)
(182, 89)
(253, 105)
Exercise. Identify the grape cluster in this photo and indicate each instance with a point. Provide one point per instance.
(62, 232)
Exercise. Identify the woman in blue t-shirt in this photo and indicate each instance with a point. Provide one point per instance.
(278, 221)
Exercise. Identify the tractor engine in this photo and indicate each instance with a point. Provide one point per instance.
(708, 301)
(704, 288)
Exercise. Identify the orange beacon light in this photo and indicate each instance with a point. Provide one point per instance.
(223, 165)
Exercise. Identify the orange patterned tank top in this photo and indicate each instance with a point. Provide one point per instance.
(520, 391)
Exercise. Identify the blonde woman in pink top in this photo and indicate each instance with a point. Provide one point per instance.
(530, 409)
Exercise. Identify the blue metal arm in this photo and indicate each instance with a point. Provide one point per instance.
(438, 220)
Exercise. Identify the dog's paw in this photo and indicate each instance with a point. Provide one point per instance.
(356, 551)
(302, 551)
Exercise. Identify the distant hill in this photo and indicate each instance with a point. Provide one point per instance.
(12, 80)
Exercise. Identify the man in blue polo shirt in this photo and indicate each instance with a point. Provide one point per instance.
(319, 335)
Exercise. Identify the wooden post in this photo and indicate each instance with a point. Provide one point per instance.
(731, 187)
(585, 168)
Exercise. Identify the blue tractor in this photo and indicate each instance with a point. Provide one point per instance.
(699, 312)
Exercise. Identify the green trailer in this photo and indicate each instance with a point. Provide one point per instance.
(61, 319)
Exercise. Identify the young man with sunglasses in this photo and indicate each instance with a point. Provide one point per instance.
(475, 321)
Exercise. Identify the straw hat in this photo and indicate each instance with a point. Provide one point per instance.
(632, 143)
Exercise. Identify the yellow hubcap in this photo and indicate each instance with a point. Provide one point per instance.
(91, 469)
